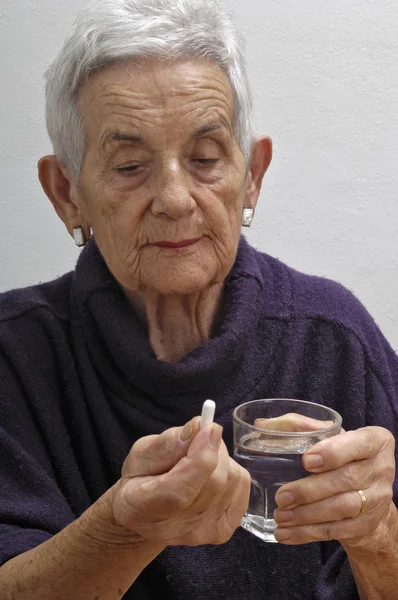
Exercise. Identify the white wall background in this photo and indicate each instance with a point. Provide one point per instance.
(325, 77)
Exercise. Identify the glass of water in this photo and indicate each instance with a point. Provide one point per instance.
(270, 438)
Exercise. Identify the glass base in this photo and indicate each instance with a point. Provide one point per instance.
(260, 527)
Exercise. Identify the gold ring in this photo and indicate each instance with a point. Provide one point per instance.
(364, 503)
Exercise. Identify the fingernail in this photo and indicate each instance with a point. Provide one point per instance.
(215, 436)
(283, 516)
(187, 431)
(281, 535)
(284, 499)
(313, 461)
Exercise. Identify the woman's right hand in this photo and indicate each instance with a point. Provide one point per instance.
(182, 488)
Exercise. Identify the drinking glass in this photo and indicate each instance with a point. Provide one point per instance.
(270, 438)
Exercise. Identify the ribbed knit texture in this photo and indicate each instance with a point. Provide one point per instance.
(80, 383)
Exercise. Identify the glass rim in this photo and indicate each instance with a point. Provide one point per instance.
(280, 433)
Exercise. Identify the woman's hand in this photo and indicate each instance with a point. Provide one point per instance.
(326, 505)
(182, 487)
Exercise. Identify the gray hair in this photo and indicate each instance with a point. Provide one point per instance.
(108, 31)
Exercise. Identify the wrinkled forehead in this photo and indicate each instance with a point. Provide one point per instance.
(154, 95)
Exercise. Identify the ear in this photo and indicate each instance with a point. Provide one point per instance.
(59, 188)
(260, 160)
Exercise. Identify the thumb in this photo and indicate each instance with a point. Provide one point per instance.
(292, 422)
(157, 454)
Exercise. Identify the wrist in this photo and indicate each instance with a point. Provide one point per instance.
(383, 541)
(100, 532)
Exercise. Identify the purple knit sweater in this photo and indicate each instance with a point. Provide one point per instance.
(80, 383)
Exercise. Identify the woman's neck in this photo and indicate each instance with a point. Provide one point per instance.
(177, 325)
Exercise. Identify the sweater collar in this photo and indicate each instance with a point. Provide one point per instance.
(118, 343)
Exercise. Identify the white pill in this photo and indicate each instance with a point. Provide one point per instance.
(208, 411)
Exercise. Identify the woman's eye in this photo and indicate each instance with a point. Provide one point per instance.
(206, 161)
(129, 169)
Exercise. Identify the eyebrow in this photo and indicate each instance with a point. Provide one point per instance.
(214, 126)
(116, 136)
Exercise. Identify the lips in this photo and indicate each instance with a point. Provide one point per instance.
(181, 244)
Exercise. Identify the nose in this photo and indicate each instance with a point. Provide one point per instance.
(172, 197)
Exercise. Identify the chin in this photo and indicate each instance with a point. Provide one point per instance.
(180, 282)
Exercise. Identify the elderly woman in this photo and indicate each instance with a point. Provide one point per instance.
(109, 489)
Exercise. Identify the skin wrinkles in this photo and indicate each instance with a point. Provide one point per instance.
(152, 115)
(195, 88)
(159, 140)
(170, 193)
(117, 141)
(163, 117)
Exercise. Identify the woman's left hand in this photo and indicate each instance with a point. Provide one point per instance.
(326, 505)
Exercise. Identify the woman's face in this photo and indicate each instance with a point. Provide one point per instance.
(164, 181)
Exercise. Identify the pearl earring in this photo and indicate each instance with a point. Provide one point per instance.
(79, 237)
(247, 217)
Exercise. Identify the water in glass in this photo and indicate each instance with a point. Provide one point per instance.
(271, 464)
